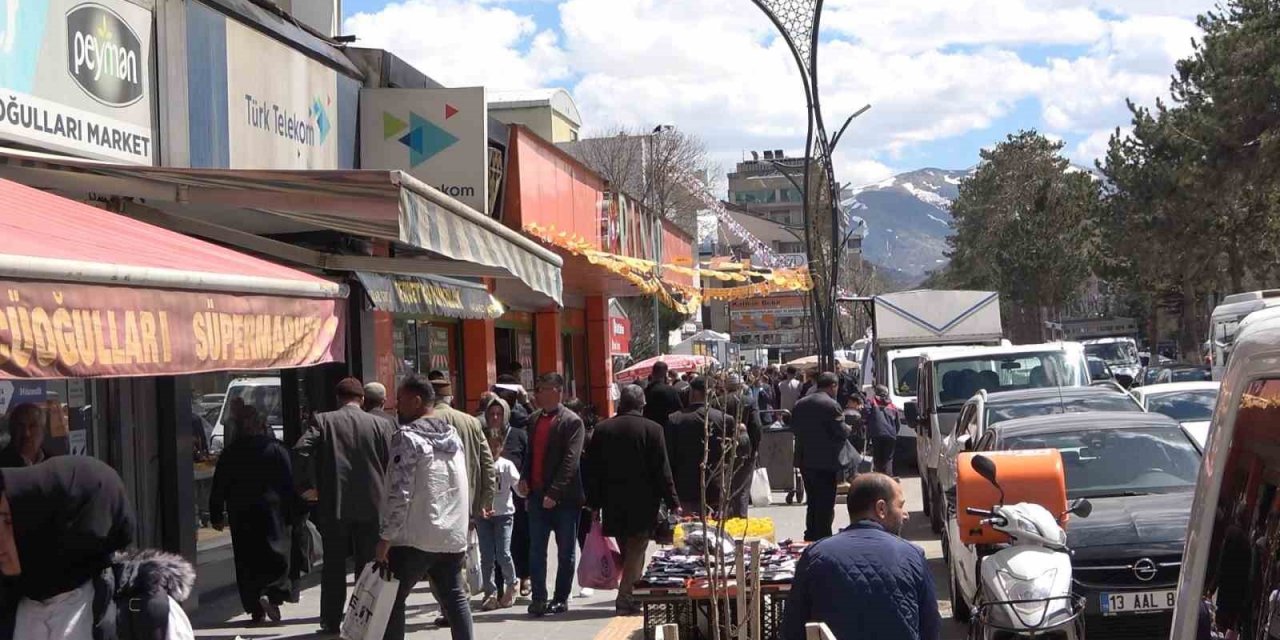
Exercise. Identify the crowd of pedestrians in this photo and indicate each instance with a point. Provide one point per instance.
(416, 489)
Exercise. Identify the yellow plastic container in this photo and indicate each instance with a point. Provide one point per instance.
(736, 528)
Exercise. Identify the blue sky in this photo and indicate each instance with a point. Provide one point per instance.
(945, 78)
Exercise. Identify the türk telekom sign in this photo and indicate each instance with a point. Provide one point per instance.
(75, 77)
(619, 336)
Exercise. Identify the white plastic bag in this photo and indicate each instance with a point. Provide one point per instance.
(370, 607)
(761, 492)
(474, 582)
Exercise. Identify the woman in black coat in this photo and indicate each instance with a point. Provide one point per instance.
(629, 479)
(254, 483)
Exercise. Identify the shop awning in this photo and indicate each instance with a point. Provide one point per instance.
(426, 295)
(89, 293)
(384, 205)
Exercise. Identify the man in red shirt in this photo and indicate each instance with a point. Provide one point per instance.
(550, 480)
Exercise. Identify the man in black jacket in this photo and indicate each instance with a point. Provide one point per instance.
(345, 455)
(740, 411)
(629, 485)
(551, 481)
(687, 444)
(821, 434)
(661, 399)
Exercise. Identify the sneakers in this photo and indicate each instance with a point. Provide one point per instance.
(508, 597)
(586, 592)
(270, 608)
(490, 603)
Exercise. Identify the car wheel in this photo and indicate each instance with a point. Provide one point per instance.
(960, 611)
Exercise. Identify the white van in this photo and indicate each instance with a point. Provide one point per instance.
(1230, 581)
(1224, 323)
(949, 377)
(263, 394)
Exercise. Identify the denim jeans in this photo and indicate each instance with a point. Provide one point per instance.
(563, 522)
(495, 547)
(410, 566)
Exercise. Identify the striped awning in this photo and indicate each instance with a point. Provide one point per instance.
(383, 205)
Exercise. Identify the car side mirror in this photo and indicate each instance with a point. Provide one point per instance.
(912, 411)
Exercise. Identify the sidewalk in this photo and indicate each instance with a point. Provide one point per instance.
(219, 615)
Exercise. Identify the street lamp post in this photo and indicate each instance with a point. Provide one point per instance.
(798, 23)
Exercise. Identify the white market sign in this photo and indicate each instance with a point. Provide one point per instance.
(74, 78)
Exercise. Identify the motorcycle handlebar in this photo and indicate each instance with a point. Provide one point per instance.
(974, 511)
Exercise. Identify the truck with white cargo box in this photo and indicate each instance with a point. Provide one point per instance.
(907, 323)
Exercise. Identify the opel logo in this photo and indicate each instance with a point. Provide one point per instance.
(1145, 570)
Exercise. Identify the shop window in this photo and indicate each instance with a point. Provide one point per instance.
(1242, 575)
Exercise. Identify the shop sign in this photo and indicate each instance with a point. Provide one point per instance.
(75, 78)
(439, 136)
(281, 105)
(55, 330)
(770, 302)
(619, 336)
(426, 296)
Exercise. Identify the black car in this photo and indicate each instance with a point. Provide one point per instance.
(1139, 471)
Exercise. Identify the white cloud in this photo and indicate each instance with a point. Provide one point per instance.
(461, 43)
(932, 70)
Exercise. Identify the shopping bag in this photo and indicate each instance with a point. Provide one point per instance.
(475, 583)
(315, 553)
(601, 565)
(370, 605)
(761, 492)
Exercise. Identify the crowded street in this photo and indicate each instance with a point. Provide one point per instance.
(589, 619)
(639, 319)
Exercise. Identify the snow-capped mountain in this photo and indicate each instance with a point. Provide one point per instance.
(908, 219)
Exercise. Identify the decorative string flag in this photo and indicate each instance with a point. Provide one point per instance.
(759, 249)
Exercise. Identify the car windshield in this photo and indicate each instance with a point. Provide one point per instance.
(906, 371)
(1190, 374)
(997, 413)
(1107, 462)
(264, 398)
(958, 380)
(1113, 352)
(1185, 406)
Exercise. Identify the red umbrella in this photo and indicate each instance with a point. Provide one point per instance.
(676, 362)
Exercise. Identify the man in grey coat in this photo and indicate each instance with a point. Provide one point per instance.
(344, 455)
(821, 434)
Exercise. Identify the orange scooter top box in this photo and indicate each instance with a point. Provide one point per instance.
(1034, 476)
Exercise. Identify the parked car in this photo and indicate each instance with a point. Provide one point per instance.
(1190, 403)
(1165, 374)
(1120, 354)
(1230, 582)
(1139, 471)
(262, 394)
(949, 377)
(986, 409)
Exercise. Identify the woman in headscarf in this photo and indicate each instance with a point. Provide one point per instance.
(515, 446)
(63, 527)
(254, 484)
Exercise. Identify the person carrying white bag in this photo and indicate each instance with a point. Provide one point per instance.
(427, 511)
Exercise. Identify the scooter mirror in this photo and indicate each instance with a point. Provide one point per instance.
(1082, 508)
(985, 468)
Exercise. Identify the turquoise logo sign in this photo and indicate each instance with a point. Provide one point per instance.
(425, 139)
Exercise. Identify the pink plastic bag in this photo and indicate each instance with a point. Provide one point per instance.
(601, 565)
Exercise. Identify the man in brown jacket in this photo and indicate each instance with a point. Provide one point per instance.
(553, 485)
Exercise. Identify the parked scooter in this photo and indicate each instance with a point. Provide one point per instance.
(1024, 589)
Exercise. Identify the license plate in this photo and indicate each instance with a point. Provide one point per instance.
(1138, 601)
